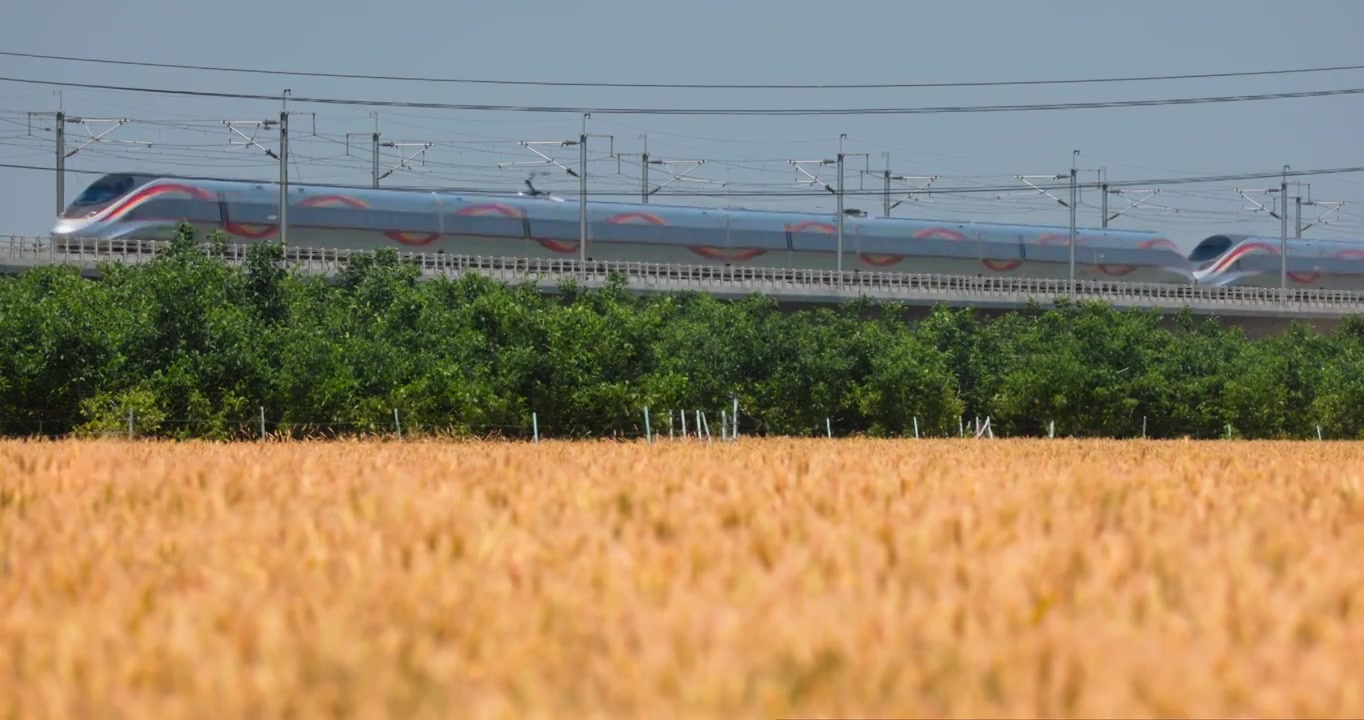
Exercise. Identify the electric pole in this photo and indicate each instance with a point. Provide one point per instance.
(840, 206)
(1073, 200)
(374, 150)
(885, 190)
(283, 178)
(1297, 220)
(1103, 199)
(61, 163)
(1283, 237)
(842, 156)
(582, 186)
(886, 178)
(644, 179)
(644, 162)
(284, 171)
(582, 194)
(374, 145)
(838, 191)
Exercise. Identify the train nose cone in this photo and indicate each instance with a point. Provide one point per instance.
(66, 227)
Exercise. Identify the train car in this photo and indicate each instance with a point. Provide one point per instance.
(1254, 261)
(538, 226)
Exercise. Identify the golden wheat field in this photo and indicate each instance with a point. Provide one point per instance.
(767, 578)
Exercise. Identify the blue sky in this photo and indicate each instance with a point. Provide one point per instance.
(760, 41)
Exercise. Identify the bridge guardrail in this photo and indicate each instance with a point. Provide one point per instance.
(887, 284)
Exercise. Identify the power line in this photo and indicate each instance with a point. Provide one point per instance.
(682, 86)
(187, 151)
(704, 111)
(793, 194)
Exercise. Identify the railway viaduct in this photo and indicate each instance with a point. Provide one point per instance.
(1259, 311)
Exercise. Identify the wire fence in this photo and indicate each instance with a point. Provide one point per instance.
(727, 425)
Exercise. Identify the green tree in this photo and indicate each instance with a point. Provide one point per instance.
(194, 346)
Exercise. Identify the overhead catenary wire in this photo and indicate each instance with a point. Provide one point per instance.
(170, 149)
(580, 110)
(183, 149)
(793, 194)
(685, 86)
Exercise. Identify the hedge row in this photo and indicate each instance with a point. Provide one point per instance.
(194, 347)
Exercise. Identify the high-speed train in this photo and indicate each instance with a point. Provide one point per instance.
(534, 225)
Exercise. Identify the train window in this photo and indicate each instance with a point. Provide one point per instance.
(1210, 248)
(105, 190)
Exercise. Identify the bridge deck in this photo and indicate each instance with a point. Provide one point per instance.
(805, 286)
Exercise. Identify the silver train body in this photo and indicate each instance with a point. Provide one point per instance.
(536, 226)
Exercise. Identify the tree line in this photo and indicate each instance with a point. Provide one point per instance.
(194, 347)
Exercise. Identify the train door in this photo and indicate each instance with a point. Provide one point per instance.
(439, 204)
(852, 250)
(726, 238)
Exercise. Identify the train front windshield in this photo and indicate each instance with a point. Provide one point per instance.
(1210, 249)
(100, 193)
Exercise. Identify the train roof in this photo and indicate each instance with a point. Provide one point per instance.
(1276, 239)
